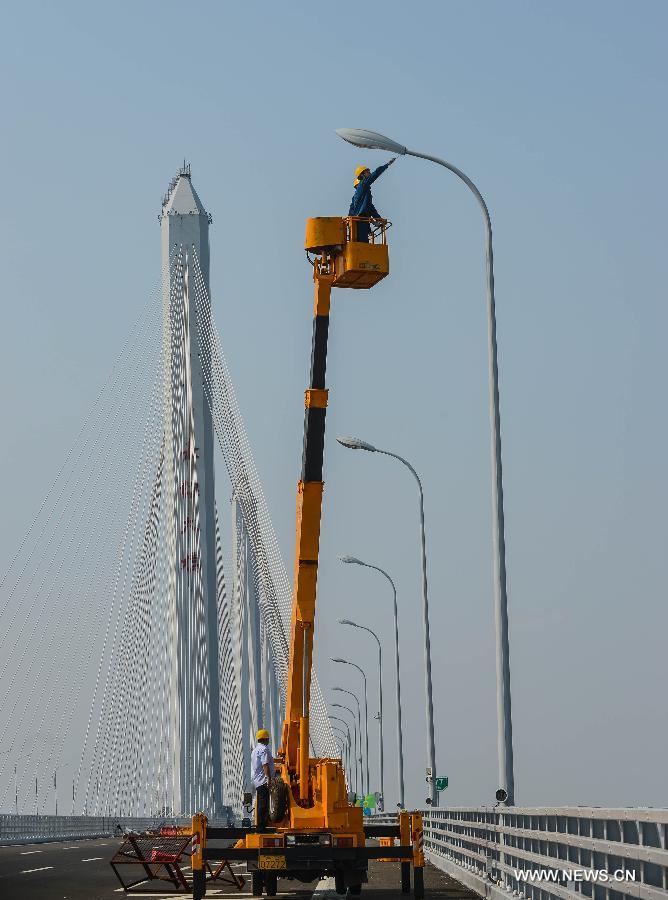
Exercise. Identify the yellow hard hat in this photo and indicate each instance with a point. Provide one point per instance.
(262, 735)
(358, 172)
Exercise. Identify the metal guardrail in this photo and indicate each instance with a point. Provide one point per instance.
(37, 829)
(551, 852)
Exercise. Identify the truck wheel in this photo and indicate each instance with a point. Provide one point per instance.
(339, 883)
(278, 800)
(258, 882)
(271, 885)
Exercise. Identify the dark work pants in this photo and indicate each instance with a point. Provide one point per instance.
(363, 232)
(262, 806)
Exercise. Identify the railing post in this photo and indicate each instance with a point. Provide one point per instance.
(417, 838)
(404, 841)
(198, 844)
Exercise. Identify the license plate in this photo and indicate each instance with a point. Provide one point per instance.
(272, 861)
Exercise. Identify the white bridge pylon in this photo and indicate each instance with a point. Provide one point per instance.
(131, 666)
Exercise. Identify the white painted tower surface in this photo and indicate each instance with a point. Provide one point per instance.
(195, 700)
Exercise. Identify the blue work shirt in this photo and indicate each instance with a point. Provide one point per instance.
(260, 756)
(362, 202)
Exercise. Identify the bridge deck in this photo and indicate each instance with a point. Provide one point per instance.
(80, 870)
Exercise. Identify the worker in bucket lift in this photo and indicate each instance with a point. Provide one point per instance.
(262, 773)
(362, 202)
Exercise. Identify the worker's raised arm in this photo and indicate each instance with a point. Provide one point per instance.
(377, 173)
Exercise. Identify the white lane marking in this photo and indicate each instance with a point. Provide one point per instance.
(325, 889)
(92, 858)
(70, 848)
(28, 852)
(28, 871)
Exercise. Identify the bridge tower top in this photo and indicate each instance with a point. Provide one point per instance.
(181, 198)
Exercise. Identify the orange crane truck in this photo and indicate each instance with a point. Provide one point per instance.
(315, 831)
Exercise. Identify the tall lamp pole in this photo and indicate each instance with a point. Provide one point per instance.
(380, 704)
(366, 712)
(506, 793)
(400, 740)
(356, 444)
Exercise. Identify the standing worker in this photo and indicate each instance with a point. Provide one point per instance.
(362, 202)
(262, 773)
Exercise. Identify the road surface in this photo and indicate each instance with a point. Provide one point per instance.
(80, 870)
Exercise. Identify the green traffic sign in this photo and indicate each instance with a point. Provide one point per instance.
(441, 783)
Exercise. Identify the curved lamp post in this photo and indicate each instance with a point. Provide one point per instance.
(380, 704)
(341, 744)
(359, 722)
(344, 750)
(353, 560)
(358, 744)
(338, 730)
(348, 741)
(374, 141)
(357, 444)
(347, 662)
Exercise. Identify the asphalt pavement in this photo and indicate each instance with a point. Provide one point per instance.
(80, 870)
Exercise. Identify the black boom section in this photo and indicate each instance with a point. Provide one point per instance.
(319, 351)
(314, 444)
(314, 417)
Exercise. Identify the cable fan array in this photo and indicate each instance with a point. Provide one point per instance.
(105, 645)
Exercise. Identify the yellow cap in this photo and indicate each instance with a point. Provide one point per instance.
(262, 735)
(358, 172)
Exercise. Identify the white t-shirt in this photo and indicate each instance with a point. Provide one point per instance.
(261, 756)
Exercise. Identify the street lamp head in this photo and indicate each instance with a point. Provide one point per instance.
(346, 622)
(353, 443)
(338, 660)
(370, 140)
(351, 559)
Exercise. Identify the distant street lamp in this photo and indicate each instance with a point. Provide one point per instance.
(347, 662)
(380, 705)
(400, 741)
(352, 443)
(55, 783)
(357, 744)
(374, 141)
(345, 749)
(359, 722)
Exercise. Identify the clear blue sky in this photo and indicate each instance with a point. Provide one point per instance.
(557, 111)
